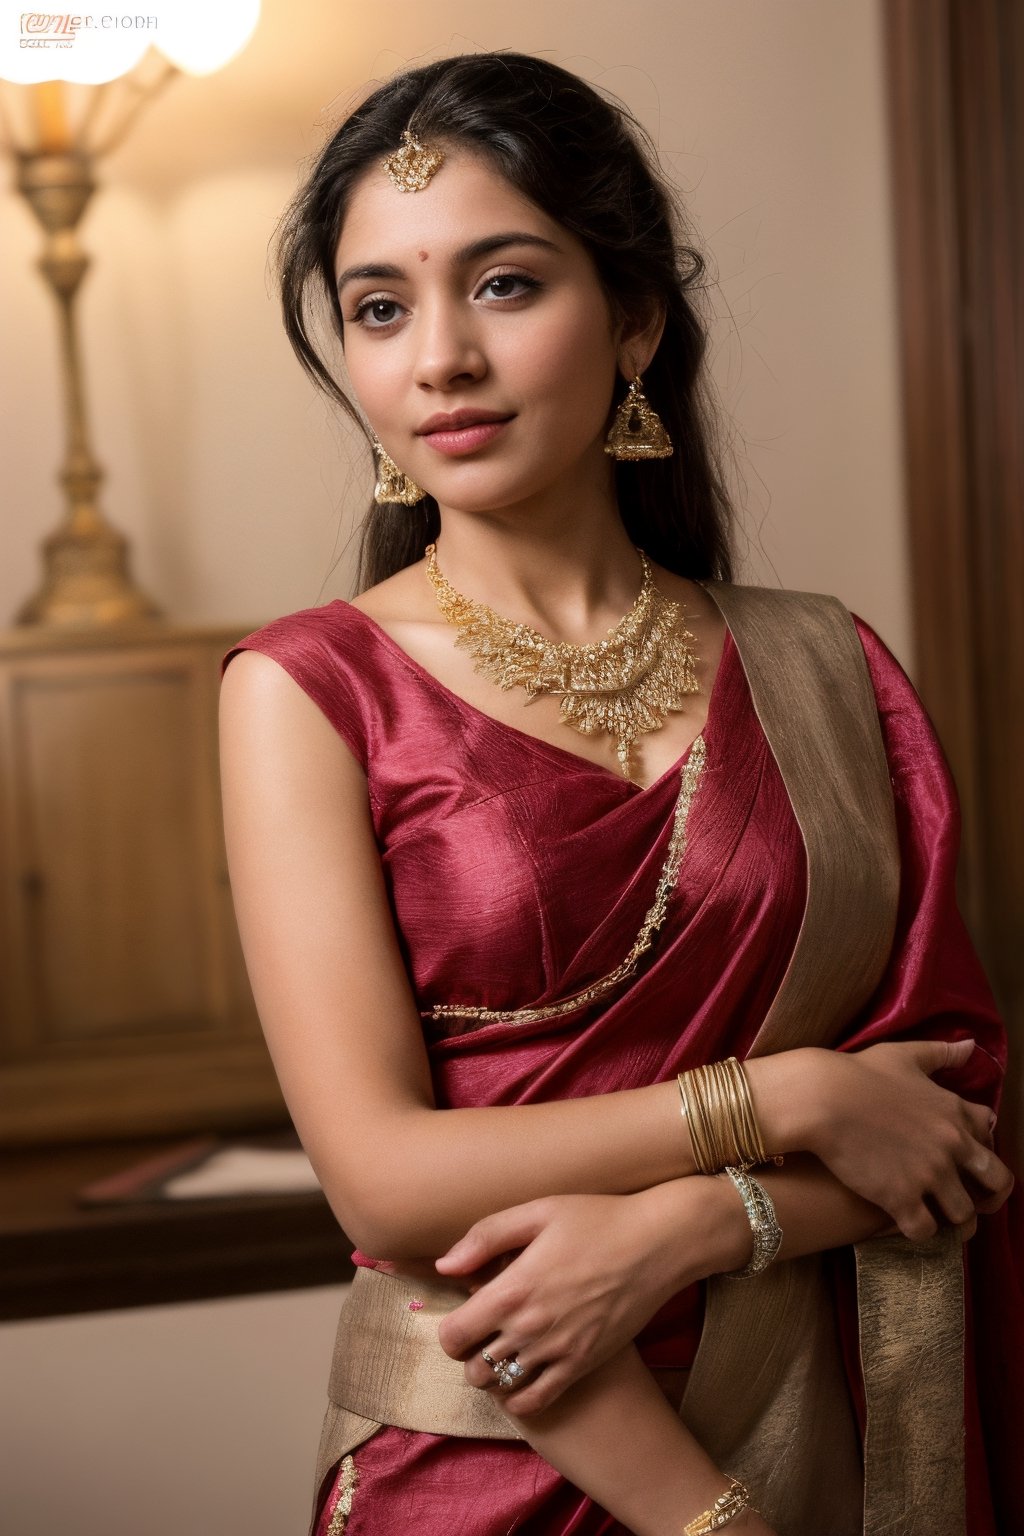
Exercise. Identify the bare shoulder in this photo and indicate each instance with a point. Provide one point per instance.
(275, 741)
(251, 674)
(257, 692)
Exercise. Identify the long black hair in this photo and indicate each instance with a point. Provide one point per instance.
(588, 164)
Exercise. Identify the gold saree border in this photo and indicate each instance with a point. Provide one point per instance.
(349, 1481)
(910, 1298)
(768, 1394)
(389, 1368)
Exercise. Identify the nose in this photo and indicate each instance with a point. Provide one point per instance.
(448, 350)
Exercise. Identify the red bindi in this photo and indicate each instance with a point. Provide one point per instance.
(423, 255)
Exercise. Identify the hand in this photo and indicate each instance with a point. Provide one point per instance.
(588, 1272)
(900, 1141)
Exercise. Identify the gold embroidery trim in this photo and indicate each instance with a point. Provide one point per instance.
(343, 1507)
(690, 778)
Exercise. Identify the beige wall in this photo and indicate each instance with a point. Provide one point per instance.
(198, 1420)
(231, 475)
(233, 482)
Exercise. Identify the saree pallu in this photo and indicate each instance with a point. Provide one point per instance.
(519, 876)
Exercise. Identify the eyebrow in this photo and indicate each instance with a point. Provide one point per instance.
(471, 252)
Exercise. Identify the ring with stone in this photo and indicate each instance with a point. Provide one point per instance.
(507, 1371)
(510, 1374)
(497, 1366)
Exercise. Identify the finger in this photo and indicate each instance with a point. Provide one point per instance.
(466, 1329)
(492, 1236)
(981, 1120)
(989, 1201)
(968, 1228)
(954, 1201)
(941, 1055)
(988, 1170)
(546, 1388)
(987, 1205)
(479, 1372)
(916, 1222)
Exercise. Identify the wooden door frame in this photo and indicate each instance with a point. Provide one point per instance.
(956, 102)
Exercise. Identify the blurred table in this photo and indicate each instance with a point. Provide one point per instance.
(58, 1257)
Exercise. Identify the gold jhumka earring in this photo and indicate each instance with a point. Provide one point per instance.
(637, 432)
(393, 484)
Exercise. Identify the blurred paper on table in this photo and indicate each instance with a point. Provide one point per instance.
(245, 1171)
(207, 1168)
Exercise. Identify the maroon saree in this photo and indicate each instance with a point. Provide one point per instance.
(548, 864)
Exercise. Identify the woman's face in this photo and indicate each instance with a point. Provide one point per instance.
(478, 339)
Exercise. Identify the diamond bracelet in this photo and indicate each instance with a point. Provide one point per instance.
(763, 1224)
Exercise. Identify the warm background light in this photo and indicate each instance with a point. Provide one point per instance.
(93, 55)
(200, 37)
(196, 37)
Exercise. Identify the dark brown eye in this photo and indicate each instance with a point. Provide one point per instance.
(509, 285)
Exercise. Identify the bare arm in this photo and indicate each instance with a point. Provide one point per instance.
(403, 1178)
(610, 1430)
(615, 1435)
(591, 1271)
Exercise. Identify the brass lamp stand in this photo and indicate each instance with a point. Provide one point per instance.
(86, 578)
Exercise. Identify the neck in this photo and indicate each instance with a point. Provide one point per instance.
(561, 561)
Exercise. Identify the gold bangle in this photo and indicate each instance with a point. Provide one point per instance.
(716, 1104)
(693, 1114)
(726, 1507)
(751, 1130)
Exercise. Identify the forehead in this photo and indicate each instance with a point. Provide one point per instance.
(465, 199)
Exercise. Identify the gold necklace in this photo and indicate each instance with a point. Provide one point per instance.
(624, 684)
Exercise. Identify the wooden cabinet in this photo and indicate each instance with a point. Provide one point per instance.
(124, 1004)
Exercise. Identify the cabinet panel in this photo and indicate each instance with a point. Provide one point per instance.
(113, 866)
(124, 1004)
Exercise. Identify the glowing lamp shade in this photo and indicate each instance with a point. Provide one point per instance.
(200, 37)
(39, 45)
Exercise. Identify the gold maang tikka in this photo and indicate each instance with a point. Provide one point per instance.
(412, 165)
(624, 684)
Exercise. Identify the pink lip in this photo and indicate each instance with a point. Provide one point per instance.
(464, 440)
(455, 437)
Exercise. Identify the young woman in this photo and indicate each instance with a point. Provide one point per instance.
(550, 814)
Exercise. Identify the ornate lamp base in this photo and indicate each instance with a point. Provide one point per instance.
(86, 582)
